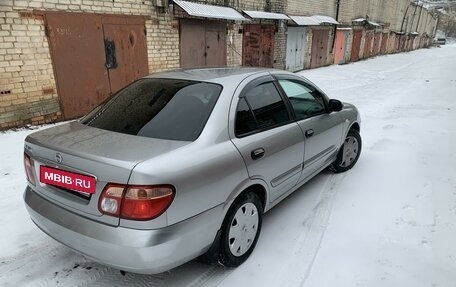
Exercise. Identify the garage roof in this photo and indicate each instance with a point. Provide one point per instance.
(326, 20)
(266, 15)
(210, 11)
(362, 21)
(305, 21)
(313, 20)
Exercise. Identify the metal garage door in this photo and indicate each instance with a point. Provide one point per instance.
(258, 45)
(89, 67)
(202, 43)
(341, 46)
(356, 45)
(319, 48)
(130, 54)
(377, 43)
(296, 38)
(384, 45)
(368, 42)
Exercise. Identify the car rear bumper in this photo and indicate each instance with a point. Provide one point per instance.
(133, 250)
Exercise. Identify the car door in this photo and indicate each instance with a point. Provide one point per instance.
(322, 130)
(269, 140)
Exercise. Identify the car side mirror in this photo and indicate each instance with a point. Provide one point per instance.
(335, 105)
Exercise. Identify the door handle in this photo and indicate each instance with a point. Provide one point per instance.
(257, 153)
(309, 133)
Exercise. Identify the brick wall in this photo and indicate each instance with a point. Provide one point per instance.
(27, 86)
(28, 92)
(347, 55)
(308, 48)
(280, 49)
(163, 43)
(234, 45)
(310, 7)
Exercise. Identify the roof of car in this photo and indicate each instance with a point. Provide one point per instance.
(211, 74)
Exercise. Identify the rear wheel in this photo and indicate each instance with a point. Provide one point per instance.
(349, 152)
(240, 230)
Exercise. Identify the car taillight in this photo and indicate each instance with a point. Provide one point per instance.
(136, 202)
(29, 169)
(111, 199)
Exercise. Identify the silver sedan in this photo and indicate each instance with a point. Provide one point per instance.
(183, 164)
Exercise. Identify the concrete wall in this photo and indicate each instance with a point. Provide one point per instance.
(393, 13)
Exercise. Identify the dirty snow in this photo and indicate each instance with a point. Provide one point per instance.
(390, 221)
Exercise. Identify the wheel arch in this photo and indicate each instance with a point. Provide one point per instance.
(257, 186)
(355, 126)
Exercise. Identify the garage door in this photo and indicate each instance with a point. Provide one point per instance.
(202, 43)
(94, 56)
(356, 45)
(258, 45)
(295, 48)
(319, 48)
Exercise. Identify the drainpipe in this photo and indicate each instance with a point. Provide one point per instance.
(335, 26)
(337, 9)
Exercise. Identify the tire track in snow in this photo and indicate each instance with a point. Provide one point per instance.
(112, 277)
(51, 264)
(36, 268)
(54, 264)
(309, 241)
(36, 254)
(211, 277)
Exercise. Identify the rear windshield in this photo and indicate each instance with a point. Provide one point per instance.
(157, 108)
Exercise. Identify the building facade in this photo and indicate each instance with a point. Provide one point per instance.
(61, 58)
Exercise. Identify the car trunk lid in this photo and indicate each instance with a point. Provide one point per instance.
(107, 156)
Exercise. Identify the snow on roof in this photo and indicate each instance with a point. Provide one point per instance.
(305, 20)
(359, 20)
(209, 11)
(266, 15)
(326, 19)
(363, 20)
(372, 23)
(313, 20)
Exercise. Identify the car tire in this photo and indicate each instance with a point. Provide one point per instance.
(349, 152)
(240, 230)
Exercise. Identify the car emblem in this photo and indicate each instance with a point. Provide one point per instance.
(58, 158)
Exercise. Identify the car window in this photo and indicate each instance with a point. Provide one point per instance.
(158, 108)
(305, 100)
(261, 108)
(245, 122)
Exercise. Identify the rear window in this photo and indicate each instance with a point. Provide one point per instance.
(158, 108)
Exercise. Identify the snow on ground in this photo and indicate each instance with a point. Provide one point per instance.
(390, 221)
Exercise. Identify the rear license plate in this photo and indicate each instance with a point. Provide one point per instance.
(66, 179)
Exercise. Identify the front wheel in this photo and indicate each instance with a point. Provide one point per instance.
(240, 230)
(349, 152)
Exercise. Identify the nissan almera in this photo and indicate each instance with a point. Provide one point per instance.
(184, 163)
